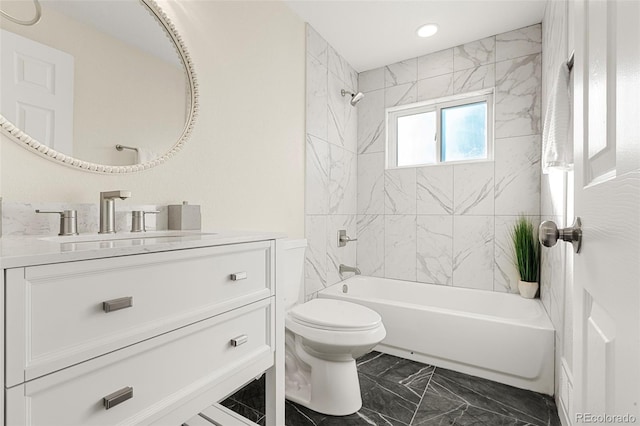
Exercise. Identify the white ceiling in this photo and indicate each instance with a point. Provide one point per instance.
(370, 34)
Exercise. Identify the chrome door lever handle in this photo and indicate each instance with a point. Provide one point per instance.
(549, 234)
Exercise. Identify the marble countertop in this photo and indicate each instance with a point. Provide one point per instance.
(29, 251)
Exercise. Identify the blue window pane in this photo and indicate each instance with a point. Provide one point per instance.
(417, 139)
(464, 132)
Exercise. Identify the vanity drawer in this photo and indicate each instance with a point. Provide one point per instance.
(161, 373)
(59, 315)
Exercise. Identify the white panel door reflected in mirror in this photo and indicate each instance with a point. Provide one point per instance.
(128, 82)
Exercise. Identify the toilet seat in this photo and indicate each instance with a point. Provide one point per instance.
(335, 315)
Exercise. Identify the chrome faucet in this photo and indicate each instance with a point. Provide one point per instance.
(108, 210)
(344, 268)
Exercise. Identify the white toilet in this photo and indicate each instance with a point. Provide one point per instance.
(323, 339)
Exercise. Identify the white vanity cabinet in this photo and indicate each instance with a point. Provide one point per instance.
(148, 338)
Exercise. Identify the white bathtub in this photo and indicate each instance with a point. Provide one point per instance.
(498, 336)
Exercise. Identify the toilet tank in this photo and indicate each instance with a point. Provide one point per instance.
(292, 275)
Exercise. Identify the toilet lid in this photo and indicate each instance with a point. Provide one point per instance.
(331, 314)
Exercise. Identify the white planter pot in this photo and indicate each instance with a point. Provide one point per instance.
(527, 290)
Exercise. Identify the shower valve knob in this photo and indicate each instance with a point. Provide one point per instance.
(343, 238)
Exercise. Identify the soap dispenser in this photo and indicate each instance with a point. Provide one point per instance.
(185, 217)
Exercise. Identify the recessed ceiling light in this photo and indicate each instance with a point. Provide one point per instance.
(427, 30)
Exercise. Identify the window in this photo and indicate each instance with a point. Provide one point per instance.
(446, 130)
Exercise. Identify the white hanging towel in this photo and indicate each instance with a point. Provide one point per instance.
(557, 149)
(146, 155)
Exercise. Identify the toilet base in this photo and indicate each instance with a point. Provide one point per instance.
(328, 387)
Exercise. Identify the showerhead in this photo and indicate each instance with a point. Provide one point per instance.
(355, 97)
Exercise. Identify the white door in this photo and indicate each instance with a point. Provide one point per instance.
(607, 198)
(37, 90)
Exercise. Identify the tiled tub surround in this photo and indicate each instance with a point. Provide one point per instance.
(556, 204)
(498, 336)
(448, 224)
(331, 163)
(400, 392)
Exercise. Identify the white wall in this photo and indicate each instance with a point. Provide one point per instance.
(245, 160)
(449, 224)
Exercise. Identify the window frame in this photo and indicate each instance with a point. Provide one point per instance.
(393, 113)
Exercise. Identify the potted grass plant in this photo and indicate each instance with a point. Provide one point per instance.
(526, 256)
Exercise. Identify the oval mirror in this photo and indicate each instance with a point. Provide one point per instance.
(105, 86)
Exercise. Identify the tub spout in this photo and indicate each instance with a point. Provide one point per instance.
(344, 268)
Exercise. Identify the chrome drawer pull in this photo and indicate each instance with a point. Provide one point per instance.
(118, 397)
(239, 276)
(117, 304)
(240, 340)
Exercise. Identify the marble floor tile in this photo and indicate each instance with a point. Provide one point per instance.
(389, 399)
(467, 415)
(297, 415)
(363, 417)
(411, 374)
(529, 407)
(245, 411)
(251, 396)
(400, 392)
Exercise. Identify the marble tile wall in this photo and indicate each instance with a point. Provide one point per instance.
(331, 164)
(556, 198)
(448, 224)
(20, 219)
